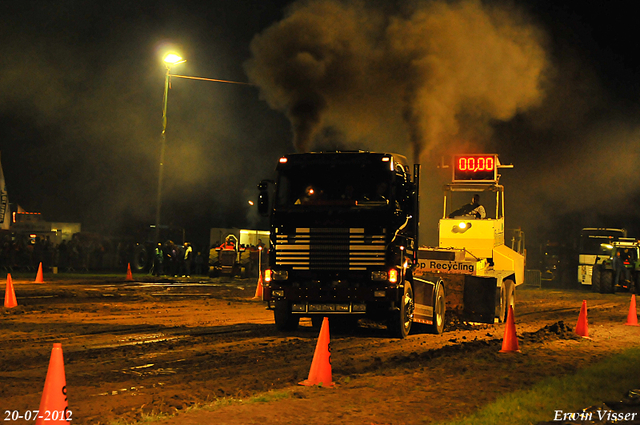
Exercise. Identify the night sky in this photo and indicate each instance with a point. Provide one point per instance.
(81, 104)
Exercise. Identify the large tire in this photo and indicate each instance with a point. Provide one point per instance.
(636, 286)
(140, 259)
(596, 278)
(439, 310)
(285, 320)
(400, 320)
(607, 285)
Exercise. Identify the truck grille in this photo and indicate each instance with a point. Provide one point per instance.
(330, 249)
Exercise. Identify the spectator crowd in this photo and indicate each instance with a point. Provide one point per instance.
(82, 253)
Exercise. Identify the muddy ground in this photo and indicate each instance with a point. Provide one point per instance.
(134, 348)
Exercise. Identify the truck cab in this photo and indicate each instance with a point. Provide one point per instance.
(343, 237)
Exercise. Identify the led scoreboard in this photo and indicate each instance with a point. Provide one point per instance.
(476, 168)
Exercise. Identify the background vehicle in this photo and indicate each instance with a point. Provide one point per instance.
(226, 259)
(144, 245)
(558, 264)
(248, 242)
(344, 238)
(590, 246)
(606, 277)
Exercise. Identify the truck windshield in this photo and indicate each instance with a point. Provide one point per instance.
(598, 241)
(348, 185)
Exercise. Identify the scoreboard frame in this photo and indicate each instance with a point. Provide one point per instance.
(475, 168)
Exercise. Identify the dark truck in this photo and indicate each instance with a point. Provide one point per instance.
(344, 233)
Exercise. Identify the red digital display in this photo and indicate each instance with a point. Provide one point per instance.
(475, 168)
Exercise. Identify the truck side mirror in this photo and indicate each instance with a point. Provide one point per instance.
(263, 198)
(410, 196)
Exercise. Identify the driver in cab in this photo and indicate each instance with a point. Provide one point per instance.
(473, 209)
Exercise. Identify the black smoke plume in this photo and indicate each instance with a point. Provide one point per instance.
(421, 76)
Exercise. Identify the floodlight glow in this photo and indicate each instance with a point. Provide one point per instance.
(173, 59)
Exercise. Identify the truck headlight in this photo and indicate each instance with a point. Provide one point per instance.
(391, 276)
(279, 275)
(379, 275)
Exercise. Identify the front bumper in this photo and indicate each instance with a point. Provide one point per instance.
(331, 298)
(323, 308)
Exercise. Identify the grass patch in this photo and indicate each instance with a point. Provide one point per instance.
(607, 380)
(218, 404)
(145, 418)
(270, 396)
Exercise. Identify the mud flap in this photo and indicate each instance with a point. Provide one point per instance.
(479, 299)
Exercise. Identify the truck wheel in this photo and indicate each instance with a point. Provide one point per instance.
(636, 286)
(510, 300)
(439, 309)
(140, 259)
(285, 320)
(399, 323)
(607, 285)
(596, 276)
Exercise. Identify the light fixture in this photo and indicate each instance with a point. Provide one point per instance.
(461, 227)
(173, 59)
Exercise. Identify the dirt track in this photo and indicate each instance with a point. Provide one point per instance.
(133, 347)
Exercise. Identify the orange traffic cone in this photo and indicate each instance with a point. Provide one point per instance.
(54, 395)
(582, 328)
(258, 295)
(39, 278)
(320, 372)
(632, 318)
(129, 274)
(510, 339)
(9, 294)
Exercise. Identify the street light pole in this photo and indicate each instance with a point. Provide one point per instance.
(169, 60)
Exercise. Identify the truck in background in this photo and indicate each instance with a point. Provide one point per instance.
(558, 264)
(344, 238)
(618, 265)
(594, 243)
